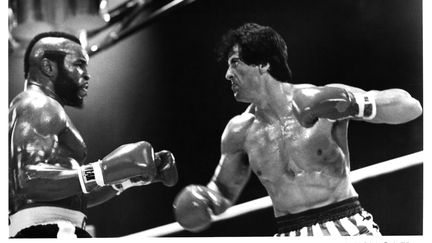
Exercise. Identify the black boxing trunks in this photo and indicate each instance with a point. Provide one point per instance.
(52, 231)
(344, 218)
(47, 222)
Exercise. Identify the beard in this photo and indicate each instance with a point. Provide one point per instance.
(67, 89)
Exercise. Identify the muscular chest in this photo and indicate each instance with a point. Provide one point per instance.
(287, 147)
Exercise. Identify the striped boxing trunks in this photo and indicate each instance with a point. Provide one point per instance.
(344, 218)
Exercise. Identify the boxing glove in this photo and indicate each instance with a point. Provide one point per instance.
(332, 103)
(166, 172)
(131, 182)
(166, 168)
(194, 206)
(129, 160)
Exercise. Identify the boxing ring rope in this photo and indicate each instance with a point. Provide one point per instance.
(358, 175)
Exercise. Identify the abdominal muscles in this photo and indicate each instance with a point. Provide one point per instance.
(307, 172)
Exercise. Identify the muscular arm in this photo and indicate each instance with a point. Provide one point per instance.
(39, 173)
(195, 204)
(43, 172)
(47, 155)
(338, 102)
(394, 106)
(233, 170)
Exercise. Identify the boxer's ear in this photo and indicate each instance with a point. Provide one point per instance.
(264, 68)
(49, 68)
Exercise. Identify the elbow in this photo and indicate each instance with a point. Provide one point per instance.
(29, 185)
(413, 109)
(28, 188)
(39, 190)
(398, 108)
(417, 108)
(26, 181)
(32, 186)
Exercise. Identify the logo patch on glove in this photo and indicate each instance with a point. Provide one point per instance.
(89, 174)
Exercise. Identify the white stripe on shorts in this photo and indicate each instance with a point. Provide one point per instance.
(303, 231)
(332, 228)
(316, 230)
(349, 226)
(358, 224)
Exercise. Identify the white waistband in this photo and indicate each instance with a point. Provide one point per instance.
(44, 215)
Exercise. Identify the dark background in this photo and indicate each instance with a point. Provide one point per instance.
(163, 85)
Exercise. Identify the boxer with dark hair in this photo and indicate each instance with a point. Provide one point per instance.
(294, 138)
(49, 182)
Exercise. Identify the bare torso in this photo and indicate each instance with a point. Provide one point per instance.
(42, 139)
(301, 168)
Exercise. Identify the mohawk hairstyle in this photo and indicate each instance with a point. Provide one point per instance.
(40, 36)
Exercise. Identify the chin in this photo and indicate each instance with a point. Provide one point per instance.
(77, 104)
(240, 99)
(80, 106)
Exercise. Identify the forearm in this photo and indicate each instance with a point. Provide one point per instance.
(51, 188)
(100, 195)
(219, 201)
(129, 165)
(45, 182)
(392, 106)
(395, 106)
(195, 204)
(42, 183)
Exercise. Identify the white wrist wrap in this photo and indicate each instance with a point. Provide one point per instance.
(90, 173)
(367, 105)
(81, 180)
(98, 173)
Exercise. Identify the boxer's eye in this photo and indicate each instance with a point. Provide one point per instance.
(234, 62)
(80, 64)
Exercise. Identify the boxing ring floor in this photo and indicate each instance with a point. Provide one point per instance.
(358, 175)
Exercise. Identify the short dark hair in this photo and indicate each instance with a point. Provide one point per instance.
(41, 36)
(258, 45)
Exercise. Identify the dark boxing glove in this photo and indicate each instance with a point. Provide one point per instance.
(166, 168)
(135, 160)
(332, 103)
(166, 173)
(194, 206)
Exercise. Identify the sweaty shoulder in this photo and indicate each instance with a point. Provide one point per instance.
(39, 111)
(235, 132)
(303, 90)
(303, 86)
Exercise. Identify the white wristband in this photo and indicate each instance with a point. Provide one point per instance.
(366, 104)
(90, 173)
(81, 180)
(98, 173)
(86, 176)
(359, 99)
